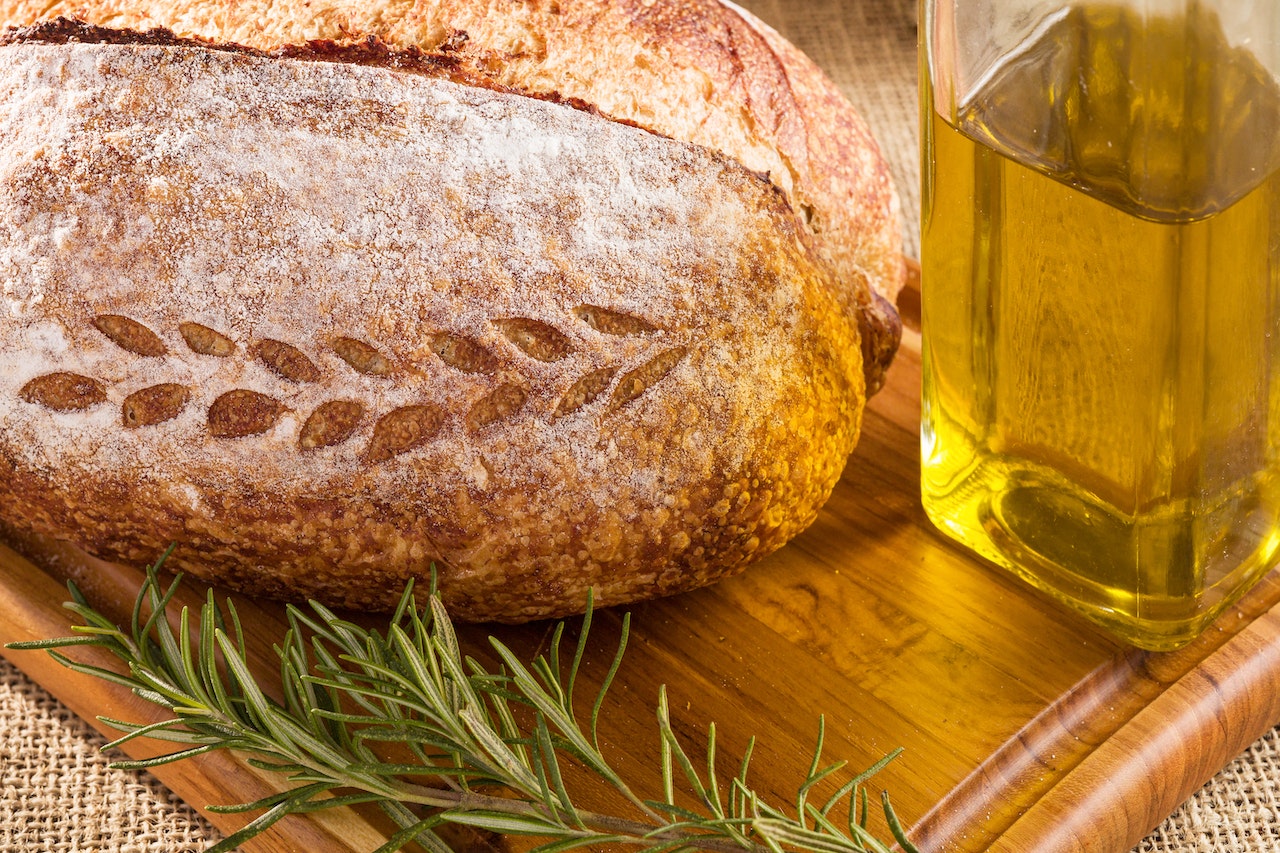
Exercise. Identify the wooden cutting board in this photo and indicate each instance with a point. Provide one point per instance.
(1024, 728)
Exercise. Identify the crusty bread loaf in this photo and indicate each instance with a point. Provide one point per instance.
(327, 317)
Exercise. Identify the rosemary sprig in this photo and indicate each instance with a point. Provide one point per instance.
(471, 747)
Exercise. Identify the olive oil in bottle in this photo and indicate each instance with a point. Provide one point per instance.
(1101, 305)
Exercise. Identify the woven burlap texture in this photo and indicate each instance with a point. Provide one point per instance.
(57, 794)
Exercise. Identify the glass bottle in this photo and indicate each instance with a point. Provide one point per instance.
(1101, 299)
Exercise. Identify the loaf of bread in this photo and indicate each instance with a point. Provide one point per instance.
(557, 296)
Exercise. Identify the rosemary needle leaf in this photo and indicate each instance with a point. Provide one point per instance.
(414, 832)
(275, 766)
(99, 672)
(91, 617)
(677, 751)
(548, 667)
(255, 827)
(579, 843)
(551, 765)
(895, 826)
(609, 676)
(740, 792)
(324, 803)
(500, 701)
(818, 777)
(504, 823)
(257, 805)
(45, 645)
(442, 631)
(686, 815)
(668, 774)
(670, 847)
(419, 830)
(793, 835)
(584, 631)
(407, 604)
(821, 823)
(169, 758)
(875, 768)
(854, 785)
(156, 731)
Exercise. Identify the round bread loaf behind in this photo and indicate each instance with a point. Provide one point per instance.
(701, 71)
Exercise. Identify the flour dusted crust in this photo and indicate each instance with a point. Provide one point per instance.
(324, 324)
(700, 71)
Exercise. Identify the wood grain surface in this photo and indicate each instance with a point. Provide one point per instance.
(1024, 728)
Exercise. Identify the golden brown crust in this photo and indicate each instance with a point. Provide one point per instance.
(593, 357)
(699, 71)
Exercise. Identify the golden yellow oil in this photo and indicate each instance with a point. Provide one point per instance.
(1101, 305)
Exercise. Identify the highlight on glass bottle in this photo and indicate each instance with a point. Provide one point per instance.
(1101, 299)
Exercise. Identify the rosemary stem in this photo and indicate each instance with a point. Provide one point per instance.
(638, 832)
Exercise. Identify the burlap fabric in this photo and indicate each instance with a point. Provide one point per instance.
(56, 793)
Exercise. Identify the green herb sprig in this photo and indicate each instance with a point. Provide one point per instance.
(475, 748)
